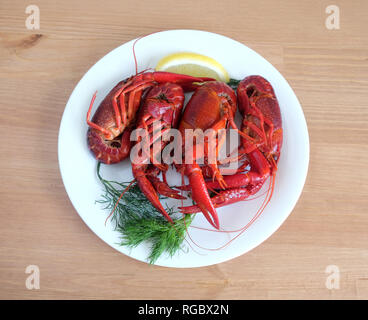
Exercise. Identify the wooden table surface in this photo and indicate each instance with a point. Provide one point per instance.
(328, 69)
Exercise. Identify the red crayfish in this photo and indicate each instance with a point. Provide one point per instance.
(137, 103)
(158, 97)
(261, 142)
(212, 106)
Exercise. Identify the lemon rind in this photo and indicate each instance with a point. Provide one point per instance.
(193, 58)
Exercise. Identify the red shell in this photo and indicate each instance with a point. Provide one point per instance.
(106, 151)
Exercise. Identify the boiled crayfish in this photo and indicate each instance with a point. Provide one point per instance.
(162, 106)
(158, 97)
(109, 131)
(138, 102)
(261, 136)
(212, 106)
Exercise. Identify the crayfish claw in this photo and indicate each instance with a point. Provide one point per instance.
(164, 189)
(200, 194)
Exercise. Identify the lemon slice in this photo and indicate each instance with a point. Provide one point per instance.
(193, 64)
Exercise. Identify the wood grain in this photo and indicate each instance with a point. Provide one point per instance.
(328, 69)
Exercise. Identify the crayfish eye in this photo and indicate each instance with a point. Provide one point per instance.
(163, 97)
(250, 91)
(115, 144)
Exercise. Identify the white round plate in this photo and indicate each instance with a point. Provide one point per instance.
(78, 166)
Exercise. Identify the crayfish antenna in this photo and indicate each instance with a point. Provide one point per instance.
(93, 125)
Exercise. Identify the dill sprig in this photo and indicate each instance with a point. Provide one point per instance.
(162, 236)
(233, 83)
(138, 221)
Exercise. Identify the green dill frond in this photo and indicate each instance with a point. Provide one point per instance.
(138, 221)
